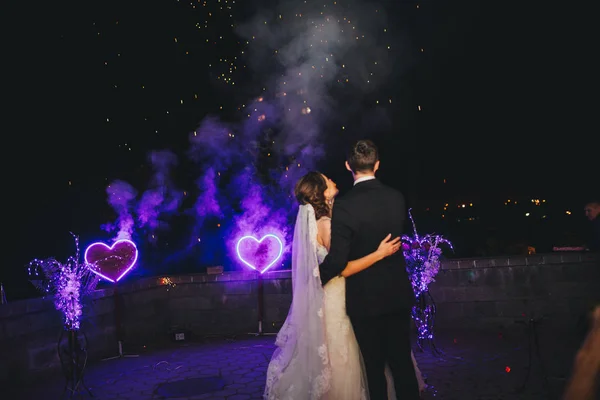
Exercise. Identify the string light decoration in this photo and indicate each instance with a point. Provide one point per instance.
(422, 254)
(67, 282)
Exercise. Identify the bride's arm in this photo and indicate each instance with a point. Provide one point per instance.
(386, 248)
(356, 266)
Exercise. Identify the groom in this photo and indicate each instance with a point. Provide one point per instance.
(378, 299)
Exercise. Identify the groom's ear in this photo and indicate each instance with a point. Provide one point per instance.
(376, 167)
(348, 166)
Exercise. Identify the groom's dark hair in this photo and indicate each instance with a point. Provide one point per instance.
(362, 156)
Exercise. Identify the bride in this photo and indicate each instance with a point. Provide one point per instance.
(317, 355)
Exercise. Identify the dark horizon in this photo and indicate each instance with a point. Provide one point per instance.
(485, 106)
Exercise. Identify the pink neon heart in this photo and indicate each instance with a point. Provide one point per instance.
(111, 262)
(259, 255)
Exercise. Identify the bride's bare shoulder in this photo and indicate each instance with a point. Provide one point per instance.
(324, 222)
(324, 231)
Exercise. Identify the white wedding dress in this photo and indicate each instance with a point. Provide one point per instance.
(317, 355)
(344, 352)
(348, 380)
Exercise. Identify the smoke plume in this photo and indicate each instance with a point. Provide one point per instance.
(313, 68)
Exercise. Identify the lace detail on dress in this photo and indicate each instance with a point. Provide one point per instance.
(300, 367)
(335, 301)
(344, 329)
(348, 380)
(276, 370)
(323, 354)
(273, 373)
(322, 384)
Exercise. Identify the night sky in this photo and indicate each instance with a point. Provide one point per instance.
(476, 101)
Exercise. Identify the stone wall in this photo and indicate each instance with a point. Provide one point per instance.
(469, 293)
(558, 288)
(30, 330)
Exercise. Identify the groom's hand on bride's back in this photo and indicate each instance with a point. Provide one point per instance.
(388, 246)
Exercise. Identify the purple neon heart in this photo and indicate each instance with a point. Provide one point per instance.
(111, 262)
(260, 255)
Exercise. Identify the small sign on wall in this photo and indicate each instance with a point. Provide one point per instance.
(178, 334)
(214, 270)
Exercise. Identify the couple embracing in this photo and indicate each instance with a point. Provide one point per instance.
(347, 334)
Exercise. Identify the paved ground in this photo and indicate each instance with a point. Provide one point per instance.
(475, 366)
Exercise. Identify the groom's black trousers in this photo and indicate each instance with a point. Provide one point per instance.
(385, 339)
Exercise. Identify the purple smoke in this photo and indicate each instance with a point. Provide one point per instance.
(303, 64)
(213, 145)
(315, 67)
(207, 203)
(162, 198)
(121, 197)
(260, 212)
(326, 60)
(254, 209)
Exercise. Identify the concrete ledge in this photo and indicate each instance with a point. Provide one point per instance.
(485, 293)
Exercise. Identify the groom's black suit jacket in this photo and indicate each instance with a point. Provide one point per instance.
(360, 221)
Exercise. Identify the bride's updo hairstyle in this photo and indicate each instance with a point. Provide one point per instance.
(310, 189)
